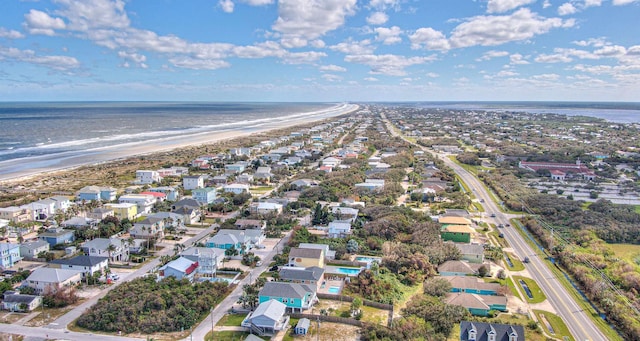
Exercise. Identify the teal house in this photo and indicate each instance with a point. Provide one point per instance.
(478, 305)
(297, 297)
(472, 285)
(225, 242)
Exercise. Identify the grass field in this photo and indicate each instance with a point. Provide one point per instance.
(512, 287)
(231, 320)
(517, 264)
(560, 329)
(628, 252)
(538, 295)
(226, 336)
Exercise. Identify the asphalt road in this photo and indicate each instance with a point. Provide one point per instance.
(577, 320)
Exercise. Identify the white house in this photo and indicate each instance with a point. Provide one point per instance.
(265, 208)
(144, 202)
(339, 229)
(13, 301)
(100, 247)
(45, 280)
(193, 181)
(145, 177)
(31, 250)
(236, 188)
(87, 265)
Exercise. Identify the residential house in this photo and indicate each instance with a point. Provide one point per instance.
(173, 171)
(192, 182)
(208, 259)
(456, 233)
(306, 258)
(478, 305)
(264, 208)
(339, 229)
(297, 297)
(179, 268)
(124, 210)
(328, 254)
(371, 185)
(454, 220)
(91, 193)
(116, 249)
(146, 177)
(31, 250)
(13, 301)
(159, 196)
(331, 162)
(171, 192)
(311, 275)
(243, 224)
(473, 253)
(240, 240)
(302, 183)
(263, 173)
(345, 213)
(16, 214)
(293, 160)
(9, 255)
(302, 327)
(472, 285)
(100, 213)
(204, 195)
(235, 168)
(235, 188)
(220, 179)
(45, 280)
(41, 209)
(458, 268)
(480, 331)
(55, 236)
(268, 319)
(189, 209)
(273, 157)
(77, 222)
(240, 151)
(149, 228)
(144, 202)
(246, 179)
(87, 265)
(62, 203)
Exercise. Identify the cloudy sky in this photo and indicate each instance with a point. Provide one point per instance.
(320, 50)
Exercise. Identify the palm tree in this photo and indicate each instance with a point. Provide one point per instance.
(111, 248)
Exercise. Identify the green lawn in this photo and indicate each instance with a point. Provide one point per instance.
(407, 293)
(538, 295)
(503, 242)
(374, 315)
(512, 287)
(226, 336)
(560, 329)
(232, 320)
(517, 264)
(628, 252)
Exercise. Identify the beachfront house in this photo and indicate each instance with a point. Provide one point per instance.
(147, 177)
(9, 254)
(145, 202)
(91, 193)
(49, 280)
(297, 297)
(56, 235)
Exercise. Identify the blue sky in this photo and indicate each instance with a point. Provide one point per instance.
(320, 50)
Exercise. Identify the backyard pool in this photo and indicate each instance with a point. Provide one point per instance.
(348, 271)
(334, 290)
(367, 259)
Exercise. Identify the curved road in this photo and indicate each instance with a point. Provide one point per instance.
(577, 320)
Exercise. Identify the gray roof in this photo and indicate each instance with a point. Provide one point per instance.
(18, 298)
(458, 266)
(51, 275)
(8, 246)
(102, 243)
(470, 249)
(313, 273)
(221, 239)
(282, 289)
(482, 329)
(81, 260)
(467, 282)
(305, 253)
(272, 309)
(34, 245)
(303, 323)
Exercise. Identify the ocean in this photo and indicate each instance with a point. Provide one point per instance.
(38, 129)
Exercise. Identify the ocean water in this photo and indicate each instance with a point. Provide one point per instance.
(619, 112)
(46, 129)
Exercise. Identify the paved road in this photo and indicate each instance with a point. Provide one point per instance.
(50, 334)
(64, 320)
(221, 309)
(579, 323)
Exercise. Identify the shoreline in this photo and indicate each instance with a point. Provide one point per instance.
(16, 171)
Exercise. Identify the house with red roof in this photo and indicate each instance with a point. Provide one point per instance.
(559, 171)
(179, 268)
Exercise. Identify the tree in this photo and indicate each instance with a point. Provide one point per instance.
(355, 306)
(232, 251)
(483, 271)
(111, 248)
(437, 286)
(352, 246)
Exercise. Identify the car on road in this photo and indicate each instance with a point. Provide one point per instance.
(526, 259)
(481, 200)
(501, 226)
(493, 215)
(501, 235)
(114, 277)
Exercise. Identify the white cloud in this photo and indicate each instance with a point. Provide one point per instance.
(318, 43)
(354, 47)
(371, 79)
(592, 3)
(623, 2)
(506, 73)
(546, 77)
(293, 42)
(595, 42)
(566, 9)
(496, 30)
(429, 38)
(492, 54)
(198, 64)
(60, 63)
(307, 57)
(38, 22)
(389, 36)
(517, 59)
(312, 19)
(10, 34)
(611, 51)
(633, 50)
(385, 4)
(387, 64)
(546, 4)
(138, 59)
(331, 78)
(94, 14)
(377, 18)
(226, 5)
(432, 75)
(501, 6)
(332, 68)
(258, 2)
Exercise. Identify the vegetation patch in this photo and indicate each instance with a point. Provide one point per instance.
(146, 306)
(516, 264)
(226, 335)
(559, 327)
(232, 320)
(536, 292)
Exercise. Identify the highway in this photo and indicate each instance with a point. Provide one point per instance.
(578, 321)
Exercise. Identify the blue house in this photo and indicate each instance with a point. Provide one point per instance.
(297, 297)
(10, 254)
(55, 236)
(241, 240)
(478, 305)
(225, 242)
(472, 285)
(204, 195)
(90, 193)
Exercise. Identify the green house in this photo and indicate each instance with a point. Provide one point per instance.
(456, 233)
(478, 305)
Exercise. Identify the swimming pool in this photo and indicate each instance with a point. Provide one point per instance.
(334, 290)
(348, 271)
(367, 259)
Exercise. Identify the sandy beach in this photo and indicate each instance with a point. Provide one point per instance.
(15, 171)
